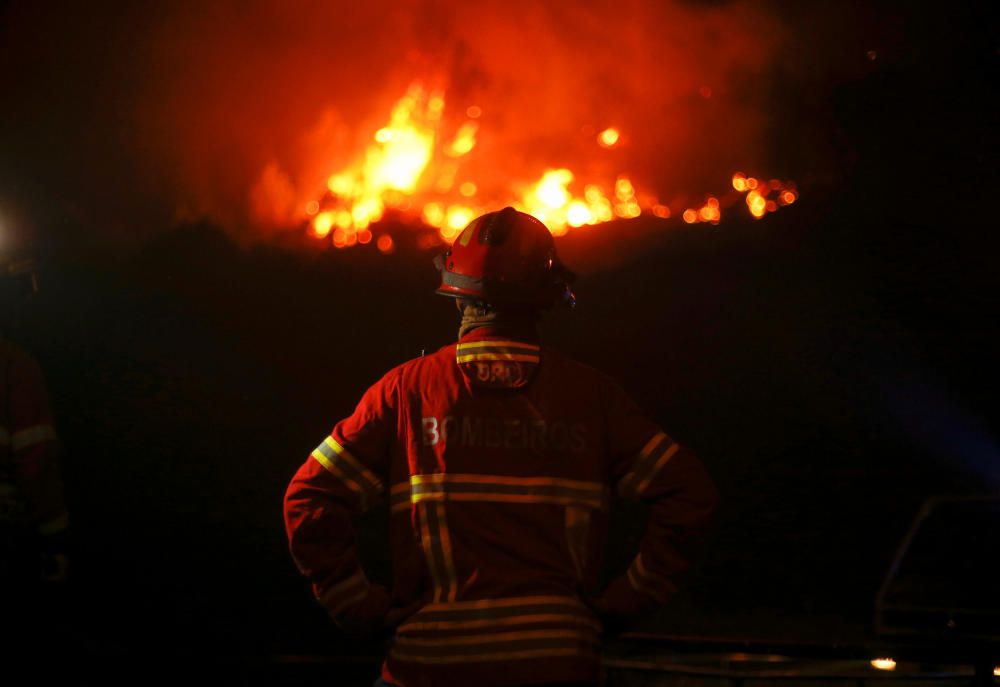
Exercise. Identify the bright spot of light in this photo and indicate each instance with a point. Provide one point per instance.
(474, 112)
(608, 138)
(322, 224)
(385, 243)
(883, 664)
(579, 214)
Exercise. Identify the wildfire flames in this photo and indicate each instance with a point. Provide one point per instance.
(413, 166)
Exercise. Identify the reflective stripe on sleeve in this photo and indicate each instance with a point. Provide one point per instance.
(345, 594)
(355, 476)
(651, 459)
(29, 436)
(56, 525)
(649, 583)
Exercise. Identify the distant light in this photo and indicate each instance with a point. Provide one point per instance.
(690, 216)
(468, 189)
(608, 138)
(312, 207)
(872, 55)
(385, 243)
(996, 671)
(883, 664)
(364, 236)
(384, 135)
(661, 211)
(474, 112)
(579, 214)
(322, 224)
(624, 190)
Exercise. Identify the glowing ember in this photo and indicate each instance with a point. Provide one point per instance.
(414, 166)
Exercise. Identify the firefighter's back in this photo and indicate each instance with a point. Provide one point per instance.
(504, 487)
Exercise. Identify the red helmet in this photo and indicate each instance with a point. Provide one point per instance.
(505, 258)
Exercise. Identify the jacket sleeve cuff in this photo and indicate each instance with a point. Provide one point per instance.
(636, 591)
(342, 596)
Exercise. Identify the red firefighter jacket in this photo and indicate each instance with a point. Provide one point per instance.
(497, 458)
(30, 486)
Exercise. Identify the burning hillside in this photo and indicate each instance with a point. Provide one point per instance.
(414, 165)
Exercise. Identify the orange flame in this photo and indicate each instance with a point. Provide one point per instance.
(414, 164)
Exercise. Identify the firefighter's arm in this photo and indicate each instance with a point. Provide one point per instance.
(36, 466)
(342, 478)
(652, 467)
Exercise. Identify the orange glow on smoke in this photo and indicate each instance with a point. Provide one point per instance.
(416, 164)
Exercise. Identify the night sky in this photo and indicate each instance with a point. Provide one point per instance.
(831, 363)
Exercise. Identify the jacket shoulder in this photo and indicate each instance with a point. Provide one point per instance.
(423, 363)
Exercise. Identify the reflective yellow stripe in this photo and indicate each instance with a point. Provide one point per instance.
(446, 553)
(493, 638)
(501, 350)
(647, 582)
(30, 436)
(373, 482)
(338, 473)
(436, 542)
(359, 479)
(500, 622)
(473, 357)
(660, 462)
(653, 456)
(505, 480)
(495, 656)
(502, 602)
(508, 343)
(56, 525)
(432, 553)
(496, 646)
(504, 489)
(482, 497)
(345, 594)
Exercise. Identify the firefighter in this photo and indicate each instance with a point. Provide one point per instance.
(497, 458)
(33, 517)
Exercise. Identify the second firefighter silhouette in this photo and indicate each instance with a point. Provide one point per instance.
(497, 457)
